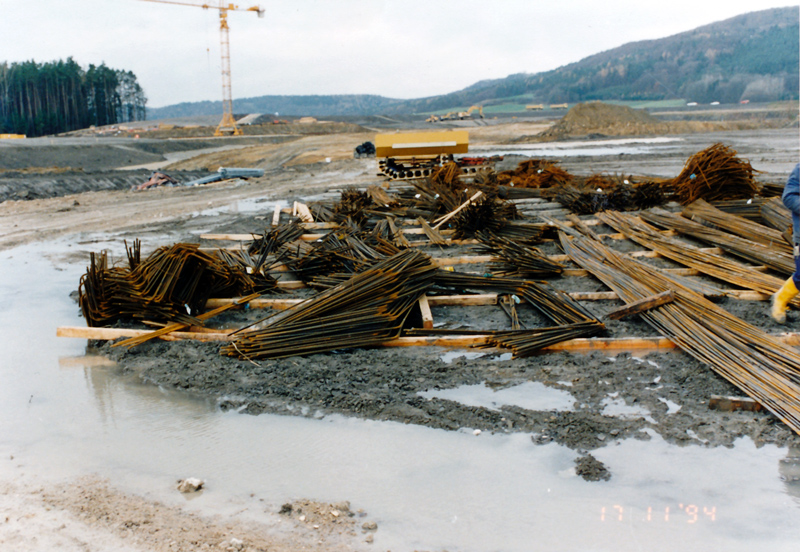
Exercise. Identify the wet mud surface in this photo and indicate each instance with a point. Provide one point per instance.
(616, 397)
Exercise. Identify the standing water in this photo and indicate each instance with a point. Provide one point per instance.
(63, 415)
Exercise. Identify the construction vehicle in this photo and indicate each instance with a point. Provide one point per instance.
(456, 115)
(366, 149)
(468, 112)
(227, 126)
(405, 156)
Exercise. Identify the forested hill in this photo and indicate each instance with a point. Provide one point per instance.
(753, 57)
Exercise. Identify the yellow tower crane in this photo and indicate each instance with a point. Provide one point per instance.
(228, 124)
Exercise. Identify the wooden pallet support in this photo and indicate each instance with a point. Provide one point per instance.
(642, 305)
(731, 404)
(427, 315)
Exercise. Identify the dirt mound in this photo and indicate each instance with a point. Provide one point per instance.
(600, 118)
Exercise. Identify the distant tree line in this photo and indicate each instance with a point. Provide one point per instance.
(37, 99)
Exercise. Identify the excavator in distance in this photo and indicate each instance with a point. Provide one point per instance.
(456, 115)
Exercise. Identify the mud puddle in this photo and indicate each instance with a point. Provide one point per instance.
(62, 416)
(574, 148)
(532, 395)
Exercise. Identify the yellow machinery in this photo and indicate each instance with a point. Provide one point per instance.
(227, 126)
(404, 156)
(468, 112)
(454, 115)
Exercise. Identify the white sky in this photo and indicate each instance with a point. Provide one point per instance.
(394, 48)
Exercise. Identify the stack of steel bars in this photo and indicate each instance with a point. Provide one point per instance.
(487, 213)
(368, 309)
(274, 238)
(172, 284)
(525, 343)
(340, 251)
(716, 266)
(552, 303)
(776, 215)
(772, 257)
(705, 213)
(715, 173)
(510, 258)
(759, 364)
(573, 319)
(747, 208)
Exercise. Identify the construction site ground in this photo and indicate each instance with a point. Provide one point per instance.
(67, 197)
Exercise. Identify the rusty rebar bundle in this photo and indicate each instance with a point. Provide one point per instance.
(704, 213)
(716, 266)
(776, 215)
(600, 193)
(342, 251)
(487, 213)
(353, 204)
(534, 173)
(572, 319)
(511, 258)
(556, 305)
(759, 364)
(447, 175)
(367, 309)
(273, 238)
(715, 173)
(525, 343)
(172, 284)
(758, 253)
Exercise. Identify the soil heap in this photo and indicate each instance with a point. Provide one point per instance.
(594, 118)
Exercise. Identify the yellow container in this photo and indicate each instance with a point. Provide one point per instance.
(410, 144)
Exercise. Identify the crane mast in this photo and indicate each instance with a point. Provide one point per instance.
(227, 126)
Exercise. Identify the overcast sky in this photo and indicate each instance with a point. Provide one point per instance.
(394, 48)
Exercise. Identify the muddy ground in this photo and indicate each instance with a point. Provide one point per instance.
(617, 396)
(670, 389)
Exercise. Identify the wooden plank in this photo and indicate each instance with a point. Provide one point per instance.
(574, 345)
(466, 300)
(436, 301)
(593, 295)
(463, 300)
(251, 237)
(276, 216)
(291, 284)
(642, 305)
(585, 344)
(731, 404)
(427, 315)
(580, 272)
(441, 220)
(747, 295)
(106, 334)
(303, 212)
(86, 361)
(579, 225)
(229, 237)
(473, 259)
